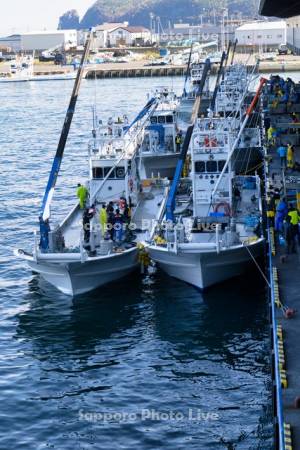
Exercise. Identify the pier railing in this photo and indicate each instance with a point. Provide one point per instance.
(280, 436)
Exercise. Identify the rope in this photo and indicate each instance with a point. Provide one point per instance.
(253, 168)
(257, 265)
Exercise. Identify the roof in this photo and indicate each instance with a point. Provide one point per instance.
(279, 8)
(133, 29)
(110, 26)
(137, 29)
(13, 37)
(274, 25)
(29, 33)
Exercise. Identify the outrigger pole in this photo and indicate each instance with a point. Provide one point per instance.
(248, 114)
(227, 57)
(45, 213)
(233, 51)
(170, 206)
(218, 80)
(188, 69)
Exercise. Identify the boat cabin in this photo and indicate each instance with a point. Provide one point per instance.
(209, 150)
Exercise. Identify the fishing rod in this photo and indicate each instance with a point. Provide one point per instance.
(46, 213)
(170, 205)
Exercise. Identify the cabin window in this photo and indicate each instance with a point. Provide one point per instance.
(161, 119)
(107, 170)
(200, 167)
(120, 172)
(169, 119)
(153, 119)
(211, 166)
(221, 165)
(97, 172)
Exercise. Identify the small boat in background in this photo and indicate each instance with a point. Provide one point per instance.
(20, 70)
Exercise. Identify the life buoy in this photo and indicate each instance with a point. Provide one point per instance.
(226, 206)
(206, 142)
(120, 172)
(210, 142)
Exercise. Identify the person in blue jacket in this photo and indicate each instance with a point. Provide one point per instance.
(281, 213)
(282, 152)
(118, 226)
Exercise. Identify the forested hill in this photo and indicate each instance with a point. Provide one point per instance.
(137, 12)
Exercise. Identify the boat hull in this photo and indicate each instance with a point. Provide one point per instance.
(203, 269)
(76, 278)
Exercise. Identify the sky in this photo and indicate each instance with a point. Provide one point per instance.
(33, 15)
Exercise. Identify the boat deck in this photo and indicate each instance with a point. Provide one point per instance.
(148, 209)
(285, 287)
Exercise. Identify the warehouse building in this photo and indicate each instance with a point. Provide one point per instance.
(270, 34)
(293, 33)
(44, 40)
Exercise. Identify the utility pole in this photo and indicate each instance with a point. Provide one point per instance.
(151, 25)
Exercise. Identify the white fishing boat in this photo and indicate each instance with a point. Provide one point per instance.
(73, 258)
(20, 70)
(159, 153)
(75, 264)
(192, 80)
(212, 227)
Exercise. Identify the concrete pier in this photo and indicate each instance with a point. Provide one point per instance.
(134, 69)
(284, 277)
(143, 68)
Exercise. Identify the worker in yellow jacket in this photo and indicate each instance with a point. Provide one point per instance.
(271, 135)
(82, 194)
(295, 219)
(103, 219)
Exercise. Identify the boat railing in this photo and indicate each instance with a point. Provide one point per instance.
(154, 149)
(110, 148)
(113, 129)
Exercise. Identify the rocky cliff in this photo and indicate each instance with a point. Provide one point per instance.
(137, 12)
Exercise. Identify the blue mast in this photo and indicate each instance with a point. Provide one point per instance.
(49, 191)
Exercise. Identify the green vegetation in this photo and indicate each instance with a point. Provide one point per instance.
(137, 12)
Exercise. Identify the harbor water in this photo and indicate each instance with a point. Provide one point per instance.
(146, 363)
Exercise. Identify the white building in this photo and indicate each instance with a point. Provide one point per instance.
(262, 33)
(44, 40)
(293, 31)
(102, 32)
(129, 36)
